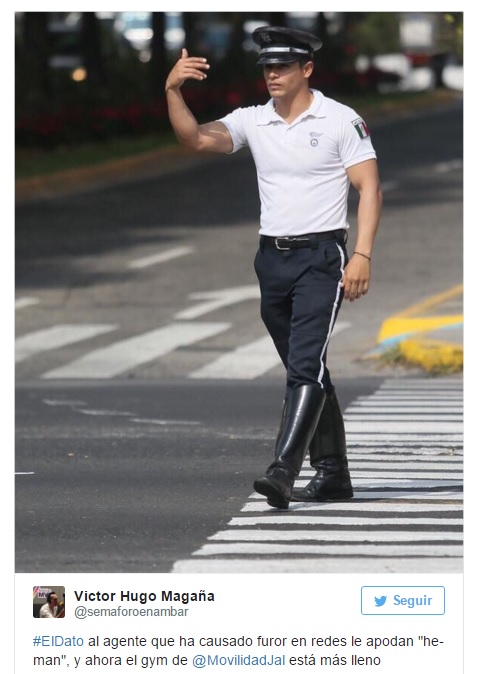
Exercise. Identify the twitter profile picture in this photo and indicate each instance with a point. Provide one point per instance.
(48, 601)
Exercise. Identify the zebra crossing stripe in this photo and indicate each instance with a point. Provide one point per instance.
(321, 565)
(55, 338)
(249, 361)
(336, 536)
(358, 507)
(399, 416)
(405, 405)
(360, 472)
(126, 354)
(392, 493)
(340, 521)
(245, 362)
(381, 549)
(400, 440)
(401, 426)
(406, 514)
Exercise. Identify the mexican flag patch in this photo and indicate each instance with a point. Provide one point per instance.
(361, 128)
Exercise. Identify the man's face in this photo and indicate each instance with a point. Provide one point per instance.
(283, 79)
(53, 600)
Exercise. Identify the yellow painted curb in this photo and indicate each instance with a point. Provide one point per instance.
(399, 325)
(433, 355)
(417, 319)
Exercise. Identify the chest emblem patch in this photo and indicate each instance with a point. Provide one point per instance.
(314, 138)
(361, 128)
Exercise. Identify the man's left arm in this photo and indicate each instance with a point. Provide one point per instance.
(365, 179)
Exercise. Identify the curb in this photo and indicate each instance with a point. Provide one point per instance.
(411, 337)
(433, 356)
(154, 163)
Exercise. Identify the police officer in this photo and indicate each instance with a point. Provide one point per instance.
(308, 149)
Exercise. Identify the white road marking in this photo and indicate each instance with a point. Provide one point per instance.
(393, 495)
(23, 302)
(397, 508)
(404, 417)
(55, 338)
(320, 565)
(167, 422)
(398, 474)
(126, 354)
(452, 165)
(397, 440)
(216, 299)
(294, 519)
(380, 550)
(104, 413)
(158, 258)
(247, 362)
(337, 536)
(405, 515)
(406, 405)
(63, 403)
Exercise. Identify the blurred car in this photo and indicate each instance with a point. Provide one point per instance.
(136, 27)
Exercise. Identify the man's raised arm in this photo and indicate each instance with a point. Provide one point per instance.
(211, 137)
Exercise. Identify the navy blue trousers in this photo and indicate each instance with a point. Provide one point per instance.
(300, 300)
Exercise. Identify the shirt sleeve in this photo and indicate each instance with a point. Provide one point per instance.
(45, 612)
(235, 123)
(354, 139)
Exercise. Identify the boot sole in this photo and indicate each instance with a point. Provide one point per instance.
(273, 494)
(342, 496)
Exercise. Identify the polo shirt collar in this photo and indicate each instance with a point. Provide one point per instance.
(267, 114)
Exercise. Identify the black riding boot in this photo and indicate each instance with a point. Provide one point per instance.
(328, 457)
(301, 412)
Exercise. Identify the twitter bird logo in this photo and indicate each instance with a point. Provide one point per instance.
(380, 601)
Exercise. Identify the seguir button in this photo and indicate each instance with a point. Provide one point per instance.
(402, 600)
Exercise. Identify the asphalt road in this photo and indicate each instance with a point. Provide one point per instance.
(128, 463)
(132, 476)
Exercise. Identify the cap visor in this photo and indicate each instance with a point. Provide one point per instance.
(277, 58)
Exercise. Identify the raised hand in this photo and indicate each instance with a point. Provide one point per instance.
(187, 68)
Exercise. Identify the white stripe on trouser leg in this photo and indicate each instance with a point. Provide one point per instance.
(333, 317)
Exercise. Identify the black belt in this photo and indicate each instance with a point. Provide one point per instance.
(304, 241)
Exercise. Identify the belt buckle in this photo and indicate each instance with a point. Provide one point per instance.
(282, 238)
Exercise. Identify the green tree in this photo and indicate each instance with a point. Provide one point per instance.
(376, 33)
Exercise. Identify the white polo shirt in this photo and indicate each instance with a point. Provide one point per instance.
(301, 167)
